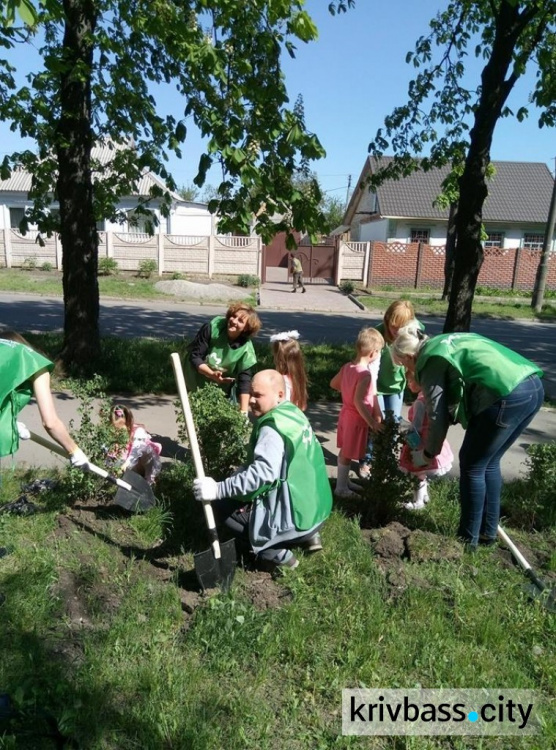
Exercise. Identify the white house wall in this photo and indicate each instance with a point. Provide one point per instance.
(190, 220)
(374, 230)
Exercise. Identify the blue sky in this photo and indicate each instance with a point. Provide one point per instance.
(350, 79)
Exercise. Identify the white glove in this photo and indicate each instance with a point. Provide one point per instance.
(79, 460)
(418, 458)
(205, 489)
(23, 431)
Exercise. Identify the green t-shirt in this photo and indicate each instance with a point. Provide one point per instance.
(18, 365)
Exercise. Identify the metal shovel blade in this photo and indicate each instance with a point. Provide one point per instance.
(539, 590)
(140, 498)
(212, 572)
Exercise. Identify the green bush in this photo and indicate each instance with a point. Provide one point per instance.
(46, 266)
(246, 280)
(146, 268)
(531, 503)
(107, 266)
(347, 286)
(29, 264)
(176, 276)
(222, 430)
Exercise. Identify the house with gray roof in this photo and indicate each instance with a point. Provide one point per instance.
(515, 212)
(187, 218)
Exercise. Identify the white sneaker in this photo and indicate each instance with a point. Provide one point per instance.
(420, 498)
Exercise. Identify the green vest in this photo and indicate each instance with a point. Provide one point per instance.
(18, 365)
(306, 477)
(221, 357)
(391, 377)
(479, 361)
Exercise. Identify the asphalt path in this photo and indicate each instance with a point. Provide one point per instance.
(169, 319)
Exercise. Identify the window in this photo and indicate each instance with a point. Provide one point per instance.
(16, 217)
(420, 235)
(532, 241)
(494, 239)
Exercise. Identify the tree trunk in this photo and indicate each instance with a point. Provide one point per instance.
(495, 88)
(450, 256)
(75, 189)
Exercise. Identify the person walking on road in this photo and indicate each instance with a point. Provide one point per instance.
(297, 273)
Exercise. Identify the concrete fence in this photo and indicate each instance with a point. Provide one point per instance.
(418, 265)
(203, 255)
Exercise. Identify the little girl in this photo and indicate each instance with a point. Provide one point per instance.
(415, 439)
(360, 410)
(289, 361)
(140, 454)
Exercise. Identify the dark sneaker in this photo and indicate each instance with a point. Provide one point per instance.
(304, 290)
(313, 544)
(294, 291)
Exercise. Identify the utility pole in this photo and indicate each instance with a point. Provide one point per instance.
(542, 270)
(348, 189)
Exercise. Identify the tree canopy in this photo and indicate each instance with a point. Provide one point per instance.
(447, 120)
(102, 64)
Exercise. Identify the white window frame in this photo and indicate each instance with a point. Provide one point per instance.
(489, 242)
(529, 244)
(425, 239)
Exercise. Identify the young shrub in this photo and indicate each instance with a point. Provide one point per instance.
(222, 430)
(107, 266)
(146, 268)
(247, 280)
(387, 488)
(347, 286)
(531, 503)
(30, 263)
(46, 266)
(95, 439)
(177, 276)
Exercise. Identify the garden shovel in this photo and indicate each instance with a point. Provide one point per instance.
(216, 566)
(134, 493)
(537, 589)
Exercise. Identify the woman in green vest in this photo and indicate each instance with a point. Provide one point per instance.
(222, 353)
(493, 392)
(26, 373)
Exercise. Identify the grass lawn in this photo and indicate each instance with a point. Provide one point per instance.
(107, 642)
(483, 308)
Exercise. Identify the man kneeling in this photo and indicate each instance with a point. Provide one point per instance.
(281, 498)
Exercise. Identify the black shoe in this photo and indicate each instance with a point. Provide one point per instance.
(294, 291)
(304, 290)
(313, 544)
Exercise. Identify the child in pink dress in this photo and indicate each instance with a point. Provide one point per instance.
(415, 439)
(141, 453)
(360, 410)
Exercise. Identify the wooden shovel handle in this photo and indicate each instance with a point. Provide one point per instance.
(194, 445)
(55, 448)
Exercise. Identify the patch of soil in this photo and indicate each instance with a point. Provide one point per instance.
(424, 546)
(395, 542)
(264, 592)
(67, 589)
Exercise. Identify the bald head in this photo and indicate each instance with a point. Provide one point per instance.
(267, 391)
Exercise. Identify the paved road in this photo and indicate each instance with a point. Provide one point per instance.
(162, 319)
(340, 323)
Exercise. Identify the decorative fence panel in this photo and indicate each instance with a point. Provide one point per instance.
(206, 255)
(400, 264)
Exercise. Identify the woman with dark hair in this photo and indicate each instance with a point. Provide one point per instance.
(222, 353)
(26, 373)
(493, 392)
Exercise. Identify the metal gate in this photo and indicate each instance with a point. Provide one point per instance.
(318, 261)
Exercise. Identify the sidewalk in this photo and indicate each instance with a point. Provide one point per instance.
(277, 295)
(159, 416)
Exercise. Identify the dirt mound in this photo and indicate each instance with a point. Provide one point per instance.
(193, 290)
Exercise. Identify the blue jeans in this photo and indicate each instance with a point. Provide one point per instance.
(488, 436)
(391, 402)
